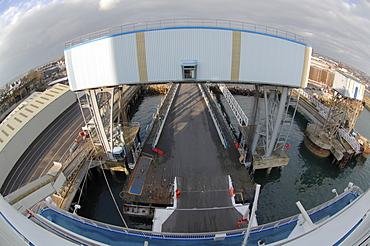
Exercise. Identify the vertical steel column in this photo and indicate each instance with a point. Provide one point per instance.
(110, 120)
(253, 214)
(256, 139)
(259, 122)
(266, 113)
(277, 125)
(81, 104)
(99, 123)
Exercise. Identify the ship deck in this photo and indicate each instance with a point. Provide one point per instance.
(332, 226)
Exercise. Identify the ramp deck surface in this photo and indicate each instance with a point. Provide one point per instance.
(204, 205)
(191, 148)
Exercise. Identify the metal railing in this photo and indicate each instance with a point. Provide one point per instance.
(351, 140)
(323, 110)
(149, 127)
(163, 120)
(234, 105)
(223, 114)
(214, 118)
(190, 22)
(44, 206)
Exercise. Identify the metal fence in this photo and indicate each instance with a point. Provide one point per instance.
(192, 22)
(44, 206)
(351, 140)
(323, 110)
(234, 105)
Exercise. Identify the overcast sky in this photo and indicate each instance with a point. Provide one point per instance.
(33, 32)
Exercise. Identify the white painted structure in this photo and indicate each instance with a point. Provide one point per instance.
(160, 55)
(16, 229)
(30, 194)
(27, 121)
(348, 86)
(190, 53)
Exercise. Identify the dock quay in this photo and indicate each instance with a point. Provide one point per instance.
(258, 151)
(329, 133)
(75, 170)
(310, 106)
(279, 159)
(191, 176)
(189, 147)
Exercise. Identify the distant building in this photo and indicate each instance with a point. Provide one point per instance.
(50, 71)
(325, 73)
(348, 86)
(14, 85)
(322, 76)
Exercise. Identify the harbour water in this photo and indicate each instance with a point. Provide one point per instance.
(307, 178)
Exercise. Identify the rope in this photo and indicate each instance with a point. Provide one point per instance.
(111, 193)
(101, 166)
